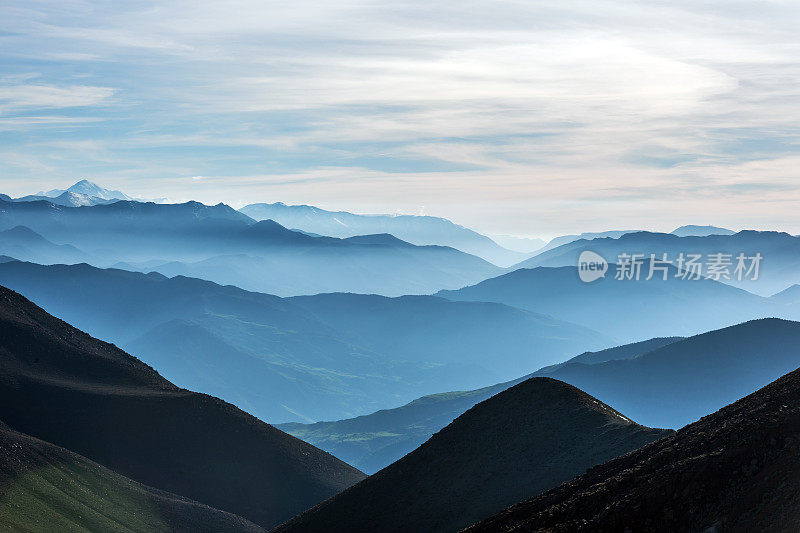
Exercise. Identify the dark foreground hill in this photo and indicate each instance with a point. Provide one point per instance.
(737, 470)
(44, 487)
(524, 440)
(63, 386)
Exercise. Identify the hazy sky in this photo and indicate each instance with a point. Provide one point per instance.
(528, 117)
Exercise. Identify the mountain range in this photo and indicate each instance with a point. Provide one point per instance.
(372, 442)
(60, 385)
(66, 199)
(778, 268)
(670, 386)
(82, 193)
(735, 470)
(301, 359)
(220, 244)
(628, 310)
(422, 376)
(662, 382)
(87, 188)
(520, 442)
(416, 229)
(690, 230)
(27, 245)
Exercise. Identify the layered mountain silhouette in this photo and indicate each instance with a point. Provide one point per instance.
(522, 441)
(789, 296)
(324, 357)
(416, 229)
(587, 236)
(372, 442)
(27, 245)
(501, 339)
(45, 487)
(673, 385)
(735, 470)
(223, 245)
(778, 267)
(661, 382)
(628, 310)
(693, 230)
(60, 385)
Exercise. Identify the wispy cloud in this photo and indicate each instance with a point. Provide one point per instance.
(41, 96)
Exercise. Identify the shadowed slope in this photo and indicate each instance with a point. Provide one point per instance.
(47, 488)
(737, 470)
(63, 386)
(522, 441)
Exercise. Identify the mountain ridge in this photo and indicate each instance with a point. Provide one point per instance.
(347, 353)
(474, 464)
(60, 385)
(416, 229)
(734, 470)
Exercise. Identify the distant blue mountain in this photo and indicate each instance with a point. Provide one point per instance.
(779, 267)
(416, 229)
(67, 199)
(692, 230)
(678, 383)
(27, 245)
(501, 339)
(788, 296)
(300, 359)
(628, 310)
(223, 245)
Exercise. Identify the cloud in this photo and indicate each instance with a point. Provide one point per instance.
(540, 108)
(35, 96)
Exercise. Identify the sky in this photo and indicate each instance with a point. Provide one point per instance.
(523, 117)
